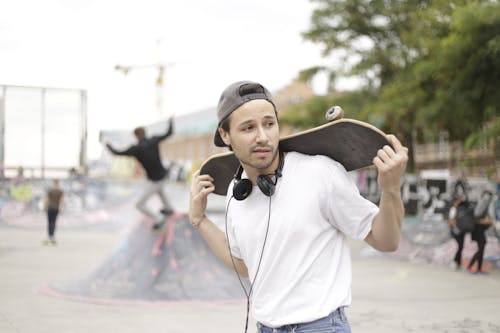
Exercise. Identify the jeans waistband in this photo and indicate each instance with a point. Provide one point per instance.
(338, 313)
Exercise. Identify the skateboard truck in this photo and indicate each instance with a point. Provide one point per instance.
(334, 113)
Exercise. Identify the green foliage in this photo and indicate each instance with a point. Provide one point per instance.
(311, 113)
(307, 114)
(431, 66)
(468, 67)
(378, 37)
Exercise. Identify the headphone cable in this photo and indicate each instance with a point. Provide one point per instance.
(248, 295)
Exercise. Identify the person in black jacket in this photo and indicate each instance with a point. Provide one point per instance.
(456, 233)
(147, 154)
(460, 202)
(483, 214)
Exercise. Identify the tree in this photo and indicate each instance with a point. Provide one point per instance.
(467, 73)
(409, 53)
(453, 86)
(311, 112)
(376, 38)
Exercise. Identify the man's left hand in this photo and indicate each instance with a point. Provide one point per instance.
(391, 164)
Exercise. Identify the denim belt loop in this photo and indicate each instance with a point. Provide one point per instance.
(341, 311)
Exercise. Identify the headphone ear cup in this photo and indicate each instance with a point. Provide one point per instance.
(242, 189)
(266, 185)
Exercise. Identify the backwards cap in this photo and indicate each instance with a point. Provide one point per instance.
(233, 97)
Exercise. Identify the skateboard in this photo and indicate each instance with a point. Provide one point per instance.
(351, 142)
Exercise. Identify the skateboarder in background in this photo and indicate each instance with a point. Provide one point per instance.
(53, 202)
(146, 152)
(289, 233)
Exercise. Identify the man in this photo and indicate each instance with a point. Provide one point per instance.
(457, 234)
(460, 218)
(53, 203)
(483, 214)
(147, 154)
(292, 244)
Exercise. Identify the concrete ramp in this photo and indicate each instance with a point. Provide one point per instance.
(173, 264)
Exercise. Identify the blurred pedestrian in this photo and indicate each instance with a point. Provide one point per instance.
(460, 218)
(53, 202)
(457, 234)
(484, 219)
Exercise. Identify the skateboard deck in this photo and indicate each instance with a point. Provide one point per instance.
(351, 142)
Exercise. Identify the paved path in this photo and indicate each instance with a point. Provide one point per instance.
(390, 295)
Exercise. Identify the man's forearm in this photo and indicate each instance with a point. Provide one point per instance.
(386, 227)
(126, 152)
(170, 130)
(216, 240)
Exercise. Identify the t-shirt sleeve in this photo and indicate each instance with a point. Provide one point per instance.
(346, 208)
(228, 227)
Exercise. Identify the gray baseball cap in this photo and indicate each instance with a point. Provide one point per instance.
(233, 97)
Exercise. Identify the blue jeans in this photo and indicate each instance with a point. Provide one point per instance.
(334, 322)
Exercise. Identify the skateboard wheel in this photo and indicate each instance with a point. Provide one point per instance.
(334, 113)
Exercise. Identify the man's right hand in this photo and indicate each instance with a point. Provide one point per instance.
(201, 187)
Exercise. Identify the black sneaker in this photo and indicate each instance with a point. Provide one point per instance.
(166, 212)
(158, 226)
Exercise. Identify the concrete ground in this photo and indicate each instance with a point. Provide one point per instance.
(389, 295)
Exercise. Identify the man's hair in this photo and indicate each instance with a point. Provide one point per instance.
(140, 132)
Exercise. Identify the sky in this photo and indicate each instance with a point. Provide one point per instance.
(205, 44)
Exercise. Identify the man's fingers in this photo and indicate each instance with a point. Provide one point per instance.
(205, 177)
(378, 163)
(197, 176)
(384, 156)
(394, 142)
(389, 151)
(208, 189)
(204, 184)
(204, 191)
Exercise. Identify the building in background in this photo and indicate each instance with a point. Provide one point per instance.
(43, 131)
(192, 141)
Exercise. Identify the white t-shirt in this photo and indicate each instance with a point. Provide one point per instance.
(305, 272)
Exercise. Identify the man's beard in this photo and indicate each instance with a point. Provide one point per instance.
(249, 163)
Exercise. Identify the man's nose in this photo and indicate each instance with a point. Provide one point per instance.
(261, 134)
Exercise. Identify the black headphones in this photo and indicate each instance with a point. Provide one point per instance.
(243, 187)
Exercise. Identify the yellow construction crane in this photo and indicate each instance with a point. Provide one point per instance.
(159, 80)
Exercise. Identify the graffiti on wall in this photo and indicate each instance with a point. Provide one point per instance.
(427, 199)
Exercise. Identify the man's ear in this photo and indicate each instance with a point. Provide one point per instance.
(224, 136)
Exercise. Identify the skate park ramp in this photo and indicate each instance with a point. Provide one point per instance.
(170, 265)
